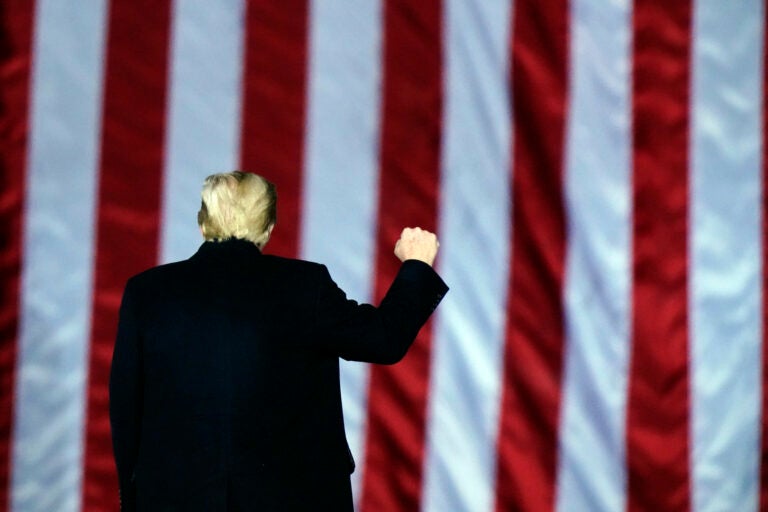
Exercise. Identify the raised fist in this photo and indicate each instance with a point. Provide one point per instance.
(417, 244)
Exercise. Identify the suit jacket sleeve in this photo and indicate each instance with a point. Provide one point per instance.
(125, 398)
(362, 332)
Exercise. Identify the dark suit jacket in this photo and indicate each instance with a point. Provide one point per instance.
(224, 390)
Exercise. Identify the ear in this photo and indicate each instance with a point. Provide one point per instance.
(269, 234)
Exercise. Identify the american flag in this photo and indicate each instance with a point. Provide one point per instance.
(595, 171)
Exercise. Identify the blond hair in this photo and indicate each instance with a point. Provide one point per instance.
(237, 205)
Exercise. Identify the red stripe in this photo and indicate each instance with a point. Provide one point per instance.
(16, 28)
(658, 407)
(534, 346)
(408, 190)
(764, 413)
(133, 133)
(273, 108)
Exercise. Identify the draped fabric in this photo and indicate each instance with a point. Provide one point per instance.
(594, 169)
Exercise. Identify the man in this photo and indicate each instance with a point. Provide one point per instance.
(224, 390)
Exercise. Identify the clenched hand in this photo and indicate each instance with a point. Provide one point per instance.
(417, 244)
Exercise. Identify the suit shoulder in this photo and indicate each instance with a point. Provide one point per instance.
(158, 275)
(295, 273)
(292, 264)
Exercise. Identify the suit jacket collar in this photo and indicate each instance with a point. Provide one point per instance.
(227, 250)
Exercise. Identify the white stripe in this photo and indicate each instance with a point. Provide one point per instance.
(341, 163)
(591, 474)
(726, 315)
(56, 283)
(463, 415)
(204, 113)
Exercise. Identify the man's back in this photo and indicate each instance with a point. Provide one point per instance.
(225, 389)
